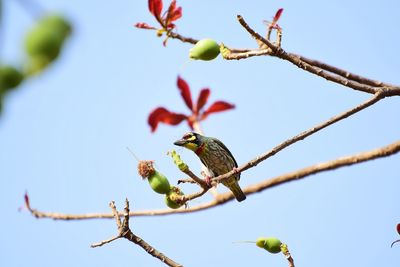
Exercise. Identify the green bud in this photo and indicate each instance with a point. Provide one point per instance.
(271, 244)
(206, 49)
(178, 161)
(159, 183)
(58, 23)
(43, 41)
(10, 77)
(47, 37)
(173, 197)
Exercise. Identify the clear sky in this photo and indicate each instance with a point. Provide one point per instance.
(63, 136)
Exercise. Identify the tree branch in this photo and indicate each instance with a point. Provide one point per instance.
(378, 96)
(219, 198)
(258, 187)
(343, 73)
(296, 60)
(324, 70)
(125, 232)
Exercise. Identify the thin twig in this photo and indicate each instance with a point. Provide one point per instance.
(125, 232)
(343, 73)
(237, 56)
(198, 180)
(294, 59)
(101, 243)
(316, 67)
(378, 96)
(288, 256)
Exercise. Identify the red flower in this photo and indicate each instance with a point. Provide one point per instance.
(166, 20)
(163, 115)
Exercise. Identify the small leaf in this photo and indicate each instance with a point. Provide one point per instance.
(202, 99)
(178, 161)
(26, 198)
(163, 115)
(155, 7)
(143, 25)
(174, 14)
(185, 92)
(217, 106)
(277, 15)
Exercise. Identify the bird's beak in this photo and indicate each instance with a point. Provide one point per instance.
(180, 142)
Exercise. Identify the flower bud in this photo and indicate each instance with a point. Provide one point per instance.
(206, 49)
(10, 77)
(172, 199)
(271, 244)
(158, 182)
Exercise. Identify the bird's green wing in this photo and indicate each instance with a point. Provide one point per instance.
(225, 148)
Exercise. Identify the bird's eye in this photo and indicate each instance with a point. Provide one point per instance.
(187, 136)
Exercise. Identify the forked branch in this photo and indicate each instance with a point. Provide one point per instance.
(125, 232)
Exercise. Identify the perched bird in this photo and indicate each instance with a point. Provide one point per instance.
(216, 157)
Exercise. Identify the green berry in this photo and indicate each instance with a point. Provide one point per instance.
(10, 77)
(206, 49)
(43, 41)
(47, 37)
(58, 23)
(271, 244)
(171, 199)
(159, 183)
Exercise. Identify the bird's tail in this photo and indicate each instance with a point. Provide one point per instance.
(233, 185)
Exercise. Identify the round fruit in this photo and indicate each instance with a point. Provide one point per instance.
(159, 183)
(206, 49)
(172, 196)
(58, 23)
(43, 41)
(10, 77)
(271, 244)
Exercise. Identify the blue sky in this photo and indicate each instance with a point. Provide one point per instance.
(63, 136)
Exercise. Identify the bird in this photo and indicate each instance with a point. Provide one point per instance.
(216, 157)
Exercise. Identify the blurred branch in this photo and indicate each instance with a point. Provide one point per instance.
(258, 187)
(125, 232)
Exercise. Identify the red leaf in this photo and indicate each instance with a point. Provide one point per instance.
(174, 13)
(163, 115)
(26, 198)
(202, 99)
(155, 7)
(217, 106)
(143, 25)
(190, 123)
(277, 15)
(398, 228)
(273, 24)
(185, 92)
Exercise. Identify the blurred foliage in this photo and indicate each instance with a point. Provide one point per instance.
(43, 44)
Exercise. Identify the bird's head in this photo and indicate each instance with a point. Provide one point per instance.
(190, 140)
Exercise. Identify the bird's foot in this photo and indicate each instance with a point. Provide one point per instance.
(207, 179)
